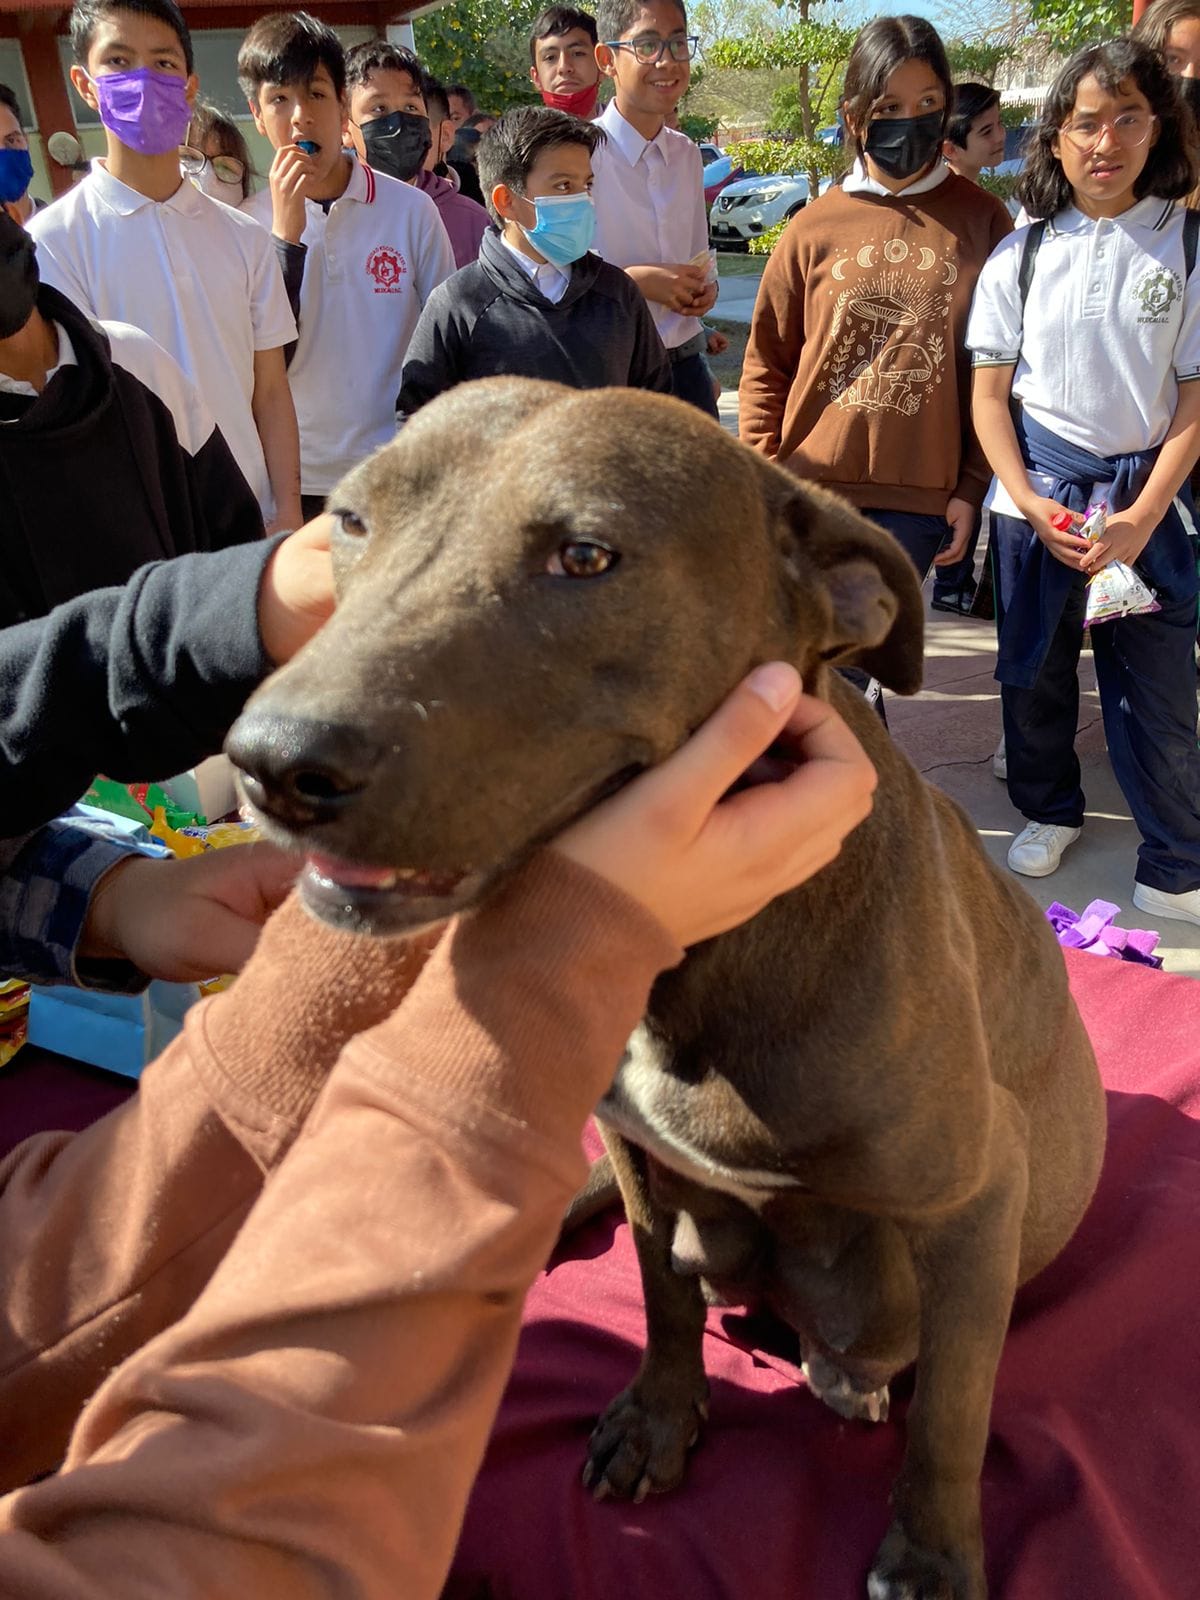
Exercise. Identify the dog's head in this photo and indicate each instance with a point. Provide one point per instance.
(540, 593)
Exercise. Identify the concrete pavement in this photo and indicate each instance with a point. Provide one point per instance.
(950, 731)
(736, 292)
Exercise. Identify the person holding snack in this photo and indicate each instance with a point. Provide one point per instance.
(1085, 335)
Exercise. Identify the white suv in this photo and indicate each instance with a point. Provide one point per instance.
(752, 205)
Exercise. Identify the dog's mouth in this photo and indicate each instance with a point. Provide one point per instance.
(384, 901)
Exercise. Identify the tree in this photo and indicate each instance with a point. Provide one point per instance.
(816, 50)
(1067, 25)
(484, 44)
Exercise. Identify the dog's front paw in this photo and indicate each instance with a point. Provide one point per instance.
(640, 1445)
(904, 1570)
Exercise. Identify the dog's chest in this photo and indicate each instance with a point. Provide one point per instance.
(700, 1131)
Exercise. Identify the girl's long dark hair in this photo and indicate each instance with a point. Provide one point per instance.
(1170, 170)
(881, 47)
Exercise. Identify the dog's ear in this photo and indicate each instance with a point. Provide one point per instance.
(877, 618)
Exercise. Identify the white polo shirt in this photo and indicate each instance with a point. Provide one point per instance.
(201, 279)
(649, 196)
(1109, 330)
(373, 260)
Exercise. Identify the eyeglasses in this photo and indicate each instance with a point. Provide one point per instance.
(227, 168)
(1130, 129)
(650, 47)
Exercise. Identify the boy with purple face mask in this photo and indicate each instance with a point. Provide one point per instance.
(136, 242)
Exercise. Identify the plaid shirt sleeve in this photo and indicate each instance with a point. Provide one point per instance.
(46, 884)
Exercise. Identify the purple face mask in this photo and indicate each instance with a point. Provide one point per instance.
(147, 110)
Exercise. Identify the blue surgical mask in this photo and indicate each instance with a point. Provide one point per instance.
(565, 227)
(16, 173)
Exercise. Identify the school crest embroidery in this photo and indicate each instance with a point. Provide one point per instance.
(388, 267)
(889, 347)
(1156, 291)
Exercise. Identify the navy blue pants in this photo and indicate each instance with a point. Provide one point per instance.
(960, 576)
(921, 534)
(1146, 675)
(691, 381)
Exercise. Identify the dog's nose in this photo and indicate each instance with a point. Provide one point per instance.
(300, 773)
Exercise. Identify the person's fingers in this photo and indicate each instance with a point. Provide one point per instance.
(691, 781)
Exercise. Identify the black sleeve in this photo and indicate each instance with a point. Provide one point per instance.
(649, 367)
(137, 682)
(434, 361)
(291, 259)
(224, 509)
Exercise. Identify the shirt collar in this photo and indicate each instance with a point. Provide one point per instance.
(66, 358)
(362, 184)
(539, 272)
(625, 136)
(857, 181)
(119, 197)
(1151, 213)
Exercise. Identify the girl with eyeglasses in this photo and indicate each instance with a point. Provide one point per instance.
(856, 373)
(216, 157)
(1085, 335)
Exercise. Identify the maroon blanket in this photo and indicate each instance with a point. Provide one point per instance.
(1091, 1488)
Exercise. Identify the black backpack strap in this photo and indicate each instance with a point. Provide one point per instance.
(1191, 236)
(1033, 243)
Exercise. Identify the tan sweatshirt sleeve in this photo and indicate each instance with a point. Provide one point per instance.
(312, 1426)
(773, 351)
(107, 1236)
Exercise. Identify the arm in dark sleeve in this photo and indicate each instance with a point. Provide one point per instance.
(291, 263)
(225, 511)
(650, 367)
(136, 682)
(436, 354)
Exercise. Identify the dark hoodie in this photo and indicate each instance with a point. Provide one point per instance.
(491, 319)
(117, 462)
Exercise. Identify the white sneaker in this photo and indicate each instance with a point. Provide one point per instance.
(1038, 848)
(1000, 762)
(1183, 907)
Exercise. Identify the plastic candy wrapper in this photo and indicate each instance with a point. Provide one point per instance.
(708, 260)
(14, 1017)
(1096, 931)
(1116, 590)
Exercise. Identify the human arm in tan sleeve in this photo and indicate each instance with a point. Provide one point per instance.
(324, 1406)
(773, 351)
(107, 1236)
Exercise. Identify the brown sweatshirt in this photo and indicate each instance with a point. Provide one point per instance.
(311, 1417)
(856, 374)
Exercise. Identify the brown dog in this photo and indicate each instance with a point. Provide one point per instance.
(873, 1107)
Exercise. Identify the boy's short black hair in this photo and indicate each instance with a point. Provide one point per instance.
(971, 100)
(8, 98)
(1170, 170)
(288, 47)
(557, 20)
(86, 15)
(508, 150)
(379, 55)
(476, 118)
(437, 99)
(616, 17)
(464, 94)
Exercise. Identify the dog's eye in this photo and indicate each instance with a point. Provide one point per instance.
(582, 558)
(354, 527)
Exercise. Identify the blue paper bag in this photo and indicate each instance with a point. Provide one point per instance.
(121, 1032)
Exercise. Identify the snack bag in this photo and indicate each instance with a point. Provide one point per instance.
(1116, 590)
(708, 260)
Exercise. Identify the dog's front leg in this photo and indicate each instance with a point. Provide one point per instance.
(966, 1269)
(640, 1444)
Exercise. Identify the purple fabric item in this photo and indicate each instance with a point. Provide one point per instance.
(146, 110)
(464, 220)
(1094, 931)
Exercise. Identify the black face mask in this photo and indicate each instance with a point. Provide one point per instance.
(397, 144)
(18, 277)
(903, 146)
(1189, 90)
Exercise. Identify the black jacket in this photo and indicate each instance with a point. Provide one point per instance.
(114, 464)
(138, 682)
(490, 319)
